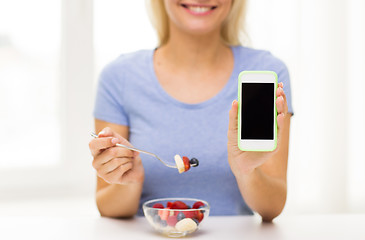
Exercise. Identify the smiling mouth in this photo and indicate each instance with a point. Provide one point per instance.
(198, 9)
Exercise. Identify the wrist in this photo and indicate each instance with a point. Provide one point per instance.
(247, 174)
(240, 168)
(133, 183)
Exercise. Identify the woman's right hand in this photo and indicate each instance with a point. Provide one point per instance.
(115, 165)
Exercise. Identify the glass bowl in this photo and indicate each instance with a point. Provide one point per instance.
(176, 217)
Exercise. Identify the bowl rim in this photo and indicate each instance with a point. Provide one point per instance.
(206, 204)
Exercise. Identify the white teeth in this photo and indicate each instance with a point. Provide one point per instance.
(199, 9)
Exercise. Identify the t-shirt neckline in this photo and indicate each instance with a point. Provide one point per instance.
(203, 104)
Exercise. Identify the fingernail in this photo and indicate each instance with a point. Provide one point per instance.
(115, 140)
(101, 132)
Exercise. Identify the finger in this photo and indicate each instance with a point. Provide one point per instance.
(98, 144)
(125, 167)
(107, 132)
(135, 154)
(280, 105)
(116, 175)
(109, 154)
(232, 126)
(280, 120)
(124, 141)
(113, 164)
(279, 92)
(285, 102)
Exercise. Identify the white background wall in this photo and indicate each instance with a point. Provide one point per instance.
(322, 44)
(321, 41)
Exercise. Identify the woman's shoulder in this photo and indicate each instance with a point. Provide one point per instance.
(258, 58)
(129, 61)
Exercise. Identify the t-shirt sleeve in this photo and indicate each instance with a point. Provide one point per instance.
(109, 102)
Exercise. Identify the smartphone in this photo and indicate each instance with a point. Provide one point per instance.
(257, 125)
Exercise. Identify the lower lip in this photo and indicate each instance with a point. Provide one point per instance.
(199, 13)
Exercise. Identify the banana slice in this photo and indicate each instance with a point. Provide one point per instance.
(179, 163)
(186, 225)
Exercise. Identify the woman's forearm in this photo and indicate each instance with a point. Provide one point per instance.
(264, 194)
(119, 200)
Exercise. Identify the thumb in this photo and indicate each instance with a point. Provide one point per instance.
(106, 132)
(233, 122)
(116, 138)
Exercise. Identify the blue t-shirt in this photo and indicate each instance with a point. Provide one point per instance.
(130, 94)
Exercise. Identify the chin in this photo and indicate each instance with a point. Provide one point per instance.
(198, 17)
(199, 31)
(200, 28)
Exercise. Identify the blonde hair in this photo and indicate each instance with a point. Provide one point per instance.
(232, 32)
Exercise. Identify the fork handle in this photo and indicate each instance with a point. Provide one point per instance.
(125, 146)
(142, 151)
(138, 150)
(134, 149)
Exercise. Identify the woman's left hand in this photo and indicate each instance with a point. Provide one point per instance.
(241, 162)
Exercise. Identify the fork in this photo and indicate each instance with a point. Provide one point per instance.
(139, 150)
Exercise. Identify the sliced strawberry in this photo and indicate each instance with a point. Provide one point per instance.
(164, 214)
(171, 220)
(169, 204)
(198, 205)
(186, 163)
(158, 205)
(190, 214)
(179, 205)
(199, 215)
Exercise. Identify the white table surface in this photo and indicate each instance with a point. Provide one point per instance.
(239, 227)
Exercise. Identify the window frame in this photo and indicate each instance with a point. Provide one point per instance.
(76, 97)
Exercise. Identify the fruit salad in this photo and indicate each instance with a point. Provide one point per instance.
(176, 218)
(183, 164)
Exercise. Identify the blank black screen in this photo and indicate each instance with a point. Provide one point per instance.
(257, 114)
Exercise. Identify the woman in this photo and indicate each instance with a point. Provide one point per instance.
(180, 99)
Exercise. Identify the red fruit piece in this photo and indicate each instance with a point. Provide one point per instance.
(186, 163)
(169, 204)
(198, 204)
(179, 205)
(171, 220)
(158, 205)
(199, 215)
(190, 214)
(164, 214)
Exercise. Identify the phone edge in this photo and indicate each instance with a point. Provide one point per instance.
(239, 112)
